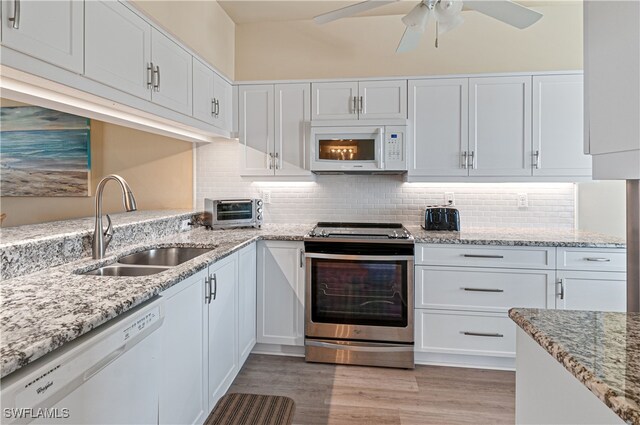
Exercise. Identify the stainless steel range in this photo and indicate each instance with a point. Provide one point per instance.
(359, 294)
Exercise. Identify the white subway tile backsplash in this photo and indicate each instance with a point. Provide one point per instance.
(381, 198)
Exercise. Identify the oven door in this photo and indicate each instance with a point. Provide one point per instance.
(347, 148)
(359, 297)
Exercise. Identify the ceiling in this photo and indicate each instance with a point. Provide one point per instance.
(247, 11)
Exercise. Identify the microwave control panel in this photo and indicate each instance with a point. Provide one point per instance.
(394, 148)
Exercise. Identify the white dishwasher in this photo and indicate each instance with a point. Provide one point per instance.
(108, 376)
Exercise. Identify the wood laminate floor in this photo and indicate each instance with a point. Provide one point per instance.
(336, 395)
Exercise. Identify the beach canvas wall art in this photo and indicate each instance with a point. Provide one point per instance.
(43, 152)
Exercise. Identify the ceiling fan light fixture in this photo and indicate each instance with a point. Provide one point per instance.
(418, 16)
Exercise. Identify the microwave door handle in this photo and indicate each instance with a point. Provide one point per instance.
(381, 149)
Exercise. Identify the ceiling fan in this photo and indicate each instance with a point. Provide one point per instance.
(446, 14)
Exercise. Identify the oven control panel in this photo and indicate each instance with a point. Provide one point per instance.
(395, 148)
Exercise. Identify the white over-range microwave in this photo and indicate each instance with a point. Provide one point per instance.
(350, 149)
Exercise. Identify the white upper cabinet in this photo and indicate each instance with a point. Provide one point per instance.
(256, 129)
(500, 126)
(204, 105)
(382, 99)
(118, 48)
(223, 98)
(352, 100)
(335, 101)
(612, 88)
(438, 115)
(558, 126)
(292, 115)
(273, 129)
(52, 31)
(172, 74)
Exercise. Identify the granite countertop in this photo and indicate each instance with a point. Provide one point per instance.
(43, 310)
(519, 237)
(601, 349)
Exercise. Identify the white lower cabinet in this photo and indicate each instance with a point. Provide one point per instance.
(246, 301)
(586, 290)
(222, 326)
(281, 293)
(183, 381)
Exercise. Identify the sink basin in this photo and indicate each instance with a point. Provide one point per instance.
(118, 270)
(168, 257)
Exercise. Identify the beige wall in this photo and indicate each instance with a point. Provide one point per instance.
(202, 25)
(601, 207)
(365, 47)
(158, 169)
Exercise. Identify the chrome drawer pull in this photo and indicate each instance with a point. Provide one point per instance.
(482, 290)
(598, 259)
(482, 256)
(495, 335)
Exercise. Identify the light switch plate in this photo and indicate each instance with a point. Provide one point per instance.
(266, 196)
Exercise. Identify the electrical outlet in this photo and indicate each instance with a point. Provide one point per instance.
(523, 200)
(266, 196)
(449, 198)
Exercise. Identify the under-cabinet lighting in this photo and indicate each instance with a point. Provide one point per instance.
(532, 185)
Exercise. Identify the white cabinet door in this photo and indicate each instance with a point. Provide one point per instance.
(256, 129)
(335, 101)
(246, 301)
(118, 48)
(438, 114)
(558, 126)
(223, 94)
(172, 74)
(602, 291)
(52, 31)
(223, 327)
(203, 100)
(281, 293)
(382, 99)
(500, 126)
(183, 381)
(292, 115)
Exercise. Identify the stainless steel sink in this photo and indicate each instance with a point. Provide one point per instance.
(120, 270)
(168, 257)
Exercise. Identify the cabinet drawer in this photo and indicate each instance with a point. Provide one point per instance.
(486, 256)
(465, 333)
(612, 259)
(483, 289)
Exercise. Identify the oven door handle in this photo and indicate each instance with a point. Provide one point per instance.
(370, 349)
(359, 257)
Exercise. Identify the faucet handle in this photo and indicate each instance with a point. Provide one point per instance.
(108, 233)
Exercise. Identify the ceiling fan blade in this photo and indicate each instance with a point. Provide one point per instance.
(354, 9)
(447, 26)
(410, 39)
(506, 11)
(447, 13)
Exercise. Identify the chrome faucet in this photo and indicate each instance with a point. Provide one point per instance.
(101, 238)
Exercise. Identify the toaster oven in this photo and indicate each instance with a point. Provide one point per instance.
(225, 213)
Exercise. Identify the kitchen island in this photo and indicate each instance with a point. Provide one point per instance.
(577, 366)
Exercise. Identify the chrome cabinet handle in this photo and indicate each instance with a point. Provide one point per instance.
(561, 294)
(355, 105)
(156, 73)
(276, 159)
(482, 290)
(465, 160)
(15, 19)
(491, 335)
(482, 256)
(217, 108)
(270, 161)
(361, 105)
(207, 290)
(149, 75)
(472, 157)
(536, 157)
(301, 258)
(213, 107)
(215, 286)
(598, 259)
